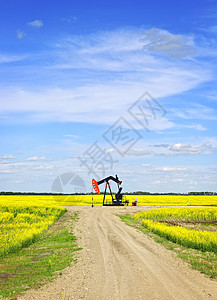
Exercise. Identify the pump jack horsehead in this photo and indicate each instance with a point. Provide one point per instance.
(118, 197)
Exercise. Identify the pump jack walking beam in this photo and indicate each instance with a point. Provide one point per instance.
(115, 179)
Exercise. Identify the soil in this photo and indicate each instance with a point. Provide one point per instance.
(118, 262)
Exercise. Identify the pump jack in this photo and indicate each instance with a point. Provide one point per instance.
(118, 197)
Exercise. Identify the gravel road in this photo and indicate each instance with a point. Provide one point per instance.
(119, 262)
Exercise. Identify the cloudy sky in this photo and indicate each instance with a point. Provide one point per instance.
(92, 89)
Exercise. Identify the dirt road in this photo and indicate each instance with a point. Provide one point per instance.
(119, 262)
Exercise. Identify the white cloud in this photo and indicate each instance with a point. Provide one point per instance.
(211, 29)
(72, 136)
(121, 73)
(163, 42)
(36, 23)
(207, 147)
(136, 151)
(102, 104)
(161, 145)
(123, 50)
(71, 19)
(188, 147)
(197, 111)
(20, 34)
(42, 168)
(157, 182)
(198, 127)
(35, 158)
(7, 171)
(7, 156)
(14, 167)
(178, 180)
(131, 151)
(170, 169)
(20, 164)
(10, 58)
(4, 162)
(193, 182)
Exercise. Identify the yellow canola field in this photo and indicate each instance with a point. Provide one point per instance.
(148, 200)
(171, 200)
(180, 213)
(23, 218)
(197, 239)
(22, 222)
(205, 240)
(86, 200)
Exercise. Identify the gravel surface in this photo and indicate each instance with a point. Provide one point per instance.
(120, 262)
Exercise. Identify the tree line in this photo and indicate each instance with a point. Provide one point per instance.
(126, 193)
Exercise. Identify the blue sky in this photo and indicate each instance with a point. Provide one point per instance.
(75, 74)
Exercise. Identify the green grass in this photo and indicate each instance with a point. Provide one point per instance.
(40, 262)
(205, 262)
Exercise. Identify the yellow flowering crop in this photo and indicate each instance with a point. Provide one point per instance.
(21, 223)
(152, 200)
(202, 240)
(156, 221)
(180, 213)
(86, 200)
